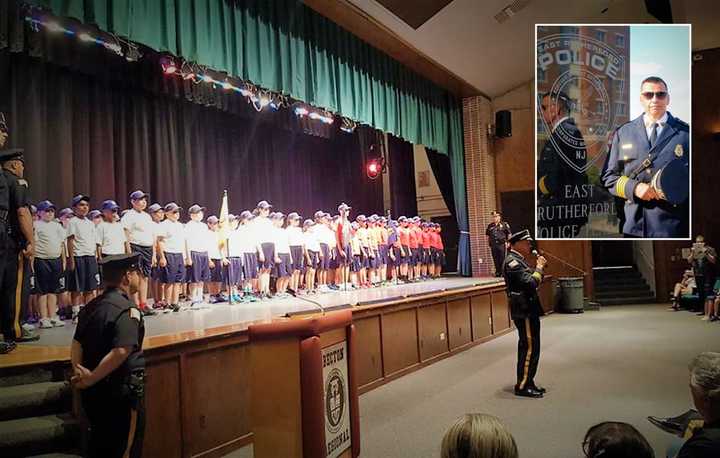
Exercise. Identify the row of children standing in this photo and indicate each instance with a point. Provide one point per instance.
(321, 254)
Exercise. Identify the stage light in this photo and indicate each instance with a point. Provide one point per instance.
(373, 168)
(54, 27)
(168, 65)
(188, 76)
(300, 111)
(264, 101)
(207, 78)
(86, 37)
(226, 85)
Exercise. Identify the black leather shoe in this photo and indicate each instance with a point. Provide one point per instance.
(539, 388)
(666, 425)
(7, 347)
(528, 393)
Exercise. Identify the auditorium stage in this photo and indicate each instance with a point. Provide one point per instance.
(192, 356)
(216, 319)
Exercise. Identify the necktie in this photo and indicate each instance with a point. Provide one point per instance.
(653, 135)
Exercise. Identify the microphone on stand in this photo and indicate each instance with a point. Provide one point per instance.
(294, 294)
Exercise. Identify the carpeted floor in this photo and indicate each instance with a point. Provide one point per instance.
(620, 363)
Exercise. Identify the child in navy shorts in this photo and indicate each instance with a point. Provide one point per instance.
(49, 263)
(173, 254)
(82, 241)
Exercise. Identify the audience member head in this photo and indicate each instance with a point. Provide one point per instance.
(478, 436)
(705, 385)
(614, 439)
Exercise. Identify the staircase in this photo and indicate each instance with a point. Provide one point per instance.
(621, 285)
(36, 413)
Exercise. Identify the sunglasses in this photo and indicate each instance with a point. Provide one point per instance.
(649, 95)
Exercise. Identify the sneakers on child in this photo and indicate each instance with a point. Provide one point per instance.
(45, 323)
(57, 322)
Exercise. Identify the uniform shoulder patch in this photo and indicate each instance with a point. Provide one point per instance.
(22, 182)
(513, 263)
(135, 314)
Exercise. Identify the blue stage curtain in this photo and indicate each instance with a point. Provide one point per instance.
(285, 46)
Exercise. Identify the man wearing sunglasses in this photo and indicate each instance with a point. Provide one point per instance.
(640, 149)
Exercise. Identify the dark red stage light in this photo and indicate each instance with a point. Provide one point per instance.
(373, 168)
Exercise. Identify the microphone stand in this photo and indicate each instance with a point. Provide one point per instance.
(547, 253)
(294, 294)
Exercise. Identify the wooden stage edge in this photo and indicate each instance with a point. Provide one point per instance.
(198, 383)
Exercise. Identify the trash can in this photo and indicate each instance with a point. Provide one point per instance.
(572, 292)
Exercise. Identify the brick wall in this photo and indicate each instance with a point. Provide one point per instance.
(480, 180)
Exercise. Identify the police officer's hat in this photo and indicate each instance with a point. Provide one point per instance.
(80, 198)
(123, 262)
(495, 213)
(12, 154)
(520, 236)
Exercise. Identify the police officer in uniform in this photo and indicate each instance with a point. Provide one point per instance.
(640, 148)
(522, 282)
(497, 233)
(108, 363)
(16, 244)
(559, 178)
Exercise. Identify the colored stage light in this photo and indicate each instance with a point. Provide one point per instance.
(54, 27)
(226, 85)
(373, 168)
(168, 65)
(86, 37)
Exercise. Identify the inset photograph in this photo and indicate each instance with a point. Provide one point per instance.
(613, 107)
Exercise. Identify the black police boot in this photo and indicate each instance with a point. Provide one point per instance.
(538, 388)
(528, 392)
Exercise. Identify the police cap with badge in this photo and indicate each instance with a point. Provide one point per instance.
(120, 262)
(520, 236)
(11, 154)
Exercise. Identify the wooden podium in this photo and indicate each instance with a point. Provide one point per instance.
(303, 389)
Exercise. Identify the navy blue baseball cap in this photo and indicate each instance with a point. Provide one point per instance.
(172, 207)
(94, 214)
(45, 205)
(80, 198)
(110, 205)
(196, 209)
(246, 214)
(137, 195)
(154, 208)
(65, 212)
(212, 219)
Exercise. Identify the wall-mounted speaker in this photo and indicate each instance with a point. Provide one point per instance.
(503, 124)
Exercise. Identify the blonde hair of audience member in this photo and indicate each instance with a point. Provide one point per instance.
(478, 436)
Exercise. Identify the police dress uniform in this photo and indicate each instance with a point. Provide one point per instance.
(555, 173)
(14, 278)
(114, 406)
(634, 160)
(522, 282)
(498, 234)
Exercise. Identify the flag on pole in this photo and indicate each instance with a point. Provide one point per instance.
(224, 221)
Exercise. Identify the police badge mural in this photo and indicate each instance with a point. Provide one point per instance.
(582, 76)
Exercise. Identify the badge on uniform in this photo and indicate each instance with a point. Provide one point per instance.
(22, 182)
(679, 150)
